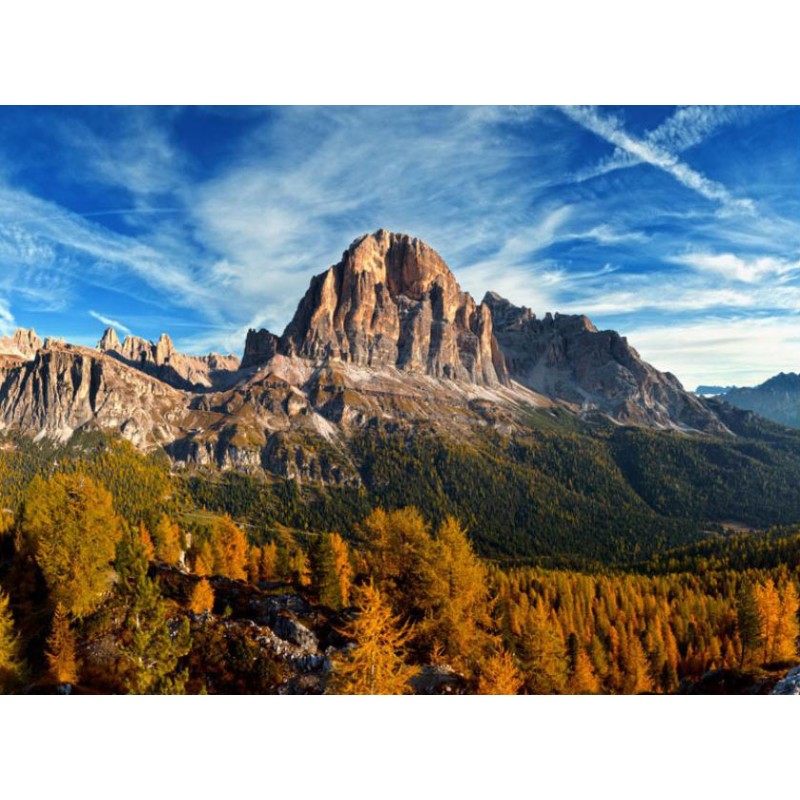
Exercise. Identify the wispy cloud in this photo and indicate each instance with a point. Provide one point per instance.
(745, 270)
(111, 323)
(7, 322)
(611, 129)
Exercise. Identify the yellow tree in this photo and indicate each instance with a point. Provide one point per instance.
(230, 547)
(70, 526)
(457, 602)
(768, 602)
(268, 566)
(61, 662)
(375, 665)
(169, 541)
(788, 630)
(500, 675)
(148, 548)
(202, 598)
(10, 661)
(204, 559)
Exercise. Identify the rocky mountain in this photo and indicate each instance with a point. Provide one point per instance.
(390, 302)
(777, 399)
(385, 337)
(712, 391)
(23, 344)
(64, 388)
(567, 358)
(161, 360)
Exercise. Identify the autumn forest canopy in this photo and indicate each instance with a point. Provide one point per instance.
(120, 575)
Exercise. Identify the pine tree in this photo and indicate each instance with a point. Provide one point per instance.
(61, 661)
(748, 623)
(375, 665)
(151, 645)
(500, 675)
(10, 660)
(202, 598)
(333, 574)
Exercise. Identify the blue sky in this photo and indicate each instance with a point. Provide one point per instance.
(677, 226)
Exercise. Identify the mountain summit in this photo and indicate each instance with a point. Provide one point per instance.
(390, 302)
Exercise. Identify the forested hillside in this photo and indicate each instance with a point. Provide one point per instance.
(119, 576)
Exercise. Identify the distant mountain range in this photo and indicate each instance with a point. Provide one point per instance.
(777, 399)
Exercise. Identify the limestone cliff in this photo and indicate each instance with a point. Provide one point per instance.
(565, 357)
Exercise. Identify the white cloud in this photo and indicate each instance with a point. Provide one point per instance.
(732, 267)
(742, 350)
(111, 323)
(7, 322)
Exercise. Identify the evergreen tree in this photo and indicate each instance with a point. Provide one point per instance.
(61, 661)
(375, 665)
(151, 644)
(333, 574)
(748, 623)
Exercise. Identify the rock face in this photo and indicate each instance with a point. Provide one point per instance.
(259, 348)
(64, 388)
(777, 399)
(161, 360)
(23, 344)
(391, 302)
(567, 358)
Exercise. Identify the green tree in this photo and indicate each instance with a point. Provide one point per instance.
(748, 623)
(151, 643)
(72, 530)
(333, 574)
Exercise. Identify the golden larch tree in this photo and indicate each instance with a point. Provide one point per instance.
(70, 526)
(10, 660)
(169, 541)
(375, 665)
(202, 597)
(500, 675)
(62, 665)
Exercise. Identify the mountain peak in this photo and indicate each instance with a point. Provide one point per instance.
(392, 301)
(22, 343)
(109, 341)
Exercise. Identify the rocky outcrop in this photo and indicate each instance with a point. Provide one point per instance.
(565, 357)
(161, 360)
(259, 348)
(23, 344)
(391, 302)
